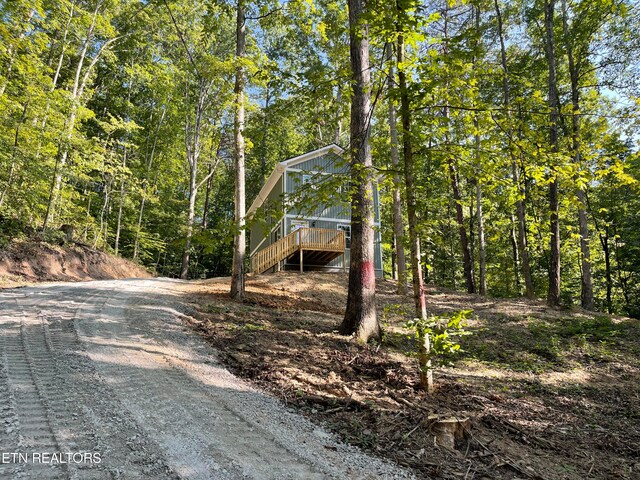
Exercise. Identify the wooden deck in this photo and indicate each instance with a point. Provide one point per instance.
(320, 245)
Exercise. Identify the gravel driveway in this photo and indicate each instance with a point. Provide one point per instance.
(102, 380)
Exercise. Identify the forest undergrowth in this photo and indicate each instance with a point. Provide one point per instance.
(540, 392)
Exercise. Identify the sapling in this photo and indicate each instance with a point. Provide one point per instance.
(437, 337)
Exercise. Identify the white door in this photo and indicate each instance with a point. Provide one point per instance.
(297, 224)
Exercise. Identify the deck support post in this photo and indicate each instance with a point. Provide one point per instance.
(301, 259)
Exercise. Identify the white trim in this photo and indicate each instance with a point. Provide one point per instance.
(346, 238)
(299, 223)
(328, 219)
(280, 223)
(316, 153)
(314, 172)
(258, 246)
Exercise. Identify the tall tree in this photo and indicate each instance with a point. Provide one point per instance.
(398, 228)
(586, 291)
(426, 373)
(90, 44)
(521, 247)
(360, 316)
(482, 244)
(553, 295)
(239, 239)
(454, 177)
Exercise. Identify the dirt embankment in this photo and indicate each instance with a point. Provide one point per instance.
(26, 262)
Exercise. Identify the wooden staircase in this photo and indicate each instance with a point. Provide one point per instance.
(318, 245)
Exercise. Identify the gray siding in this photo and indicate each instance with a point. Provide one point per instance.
(260, 229)
(306, 201)
(328, 163)
(323, 168)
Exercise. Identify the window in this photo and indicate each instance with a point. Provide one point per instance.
(347, 233)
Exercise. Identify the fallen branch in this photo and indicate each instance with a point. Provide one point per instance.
(526, 436)
(407, 403)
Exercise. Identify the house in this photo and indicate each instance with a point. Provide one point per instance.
(312, 234)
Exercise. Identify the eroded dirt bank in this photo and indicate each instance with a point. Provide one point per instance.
(28, 261)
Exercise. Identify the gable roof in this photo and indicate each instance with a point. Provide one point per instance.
(282, 166)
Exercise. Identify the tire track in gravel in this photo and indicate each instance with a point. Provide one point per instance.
(159, 394)
(57, 401)
(31, 410)
(168, 377)
(126, 451)
(109, 367)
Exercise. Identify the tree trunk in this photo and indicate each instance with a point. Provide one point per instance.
(482, 247)
(11, 53)
(516, 253)
(472, 238)
(239, 240)
(193, 150)
(124, 166)
(398, 228)
(523, 244)
(623, 281)
(88, 219)
(426, 370)
(209, 178)
(464, 239)
(604, 240)
(587, 278)
(457, 197)
(54, 82)
(263, 142)
(360, 316)
(136, 244)
(515, 174)
(553, 295)
(583, 225)
(14, 155)
(605, 235)
(184, 269)
(121, 202)
(103, 215)
(207, 195)
(338, 134)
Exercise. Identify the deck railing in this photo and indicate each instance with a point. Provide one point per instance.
(322, 239)
(319, 239)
